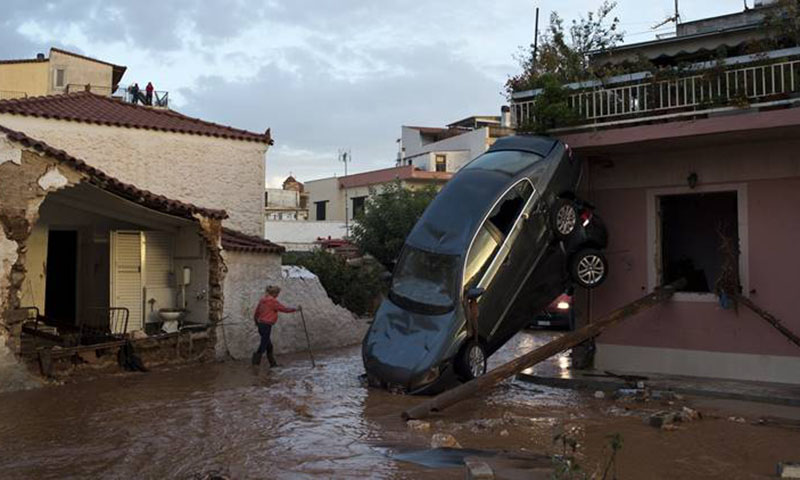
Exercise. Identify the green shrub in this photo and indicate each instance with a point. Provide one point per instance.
(355, 288)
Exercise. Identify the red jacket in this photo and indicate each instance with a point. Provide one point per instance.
(268, 308)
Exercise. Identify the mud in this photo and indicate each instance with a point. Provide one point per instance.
(299, 422)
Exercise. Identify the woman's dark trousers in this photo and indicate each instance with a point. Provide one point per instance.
(264, 330)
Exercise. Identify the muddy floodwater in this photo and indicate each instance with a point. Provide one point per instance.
(299, 422)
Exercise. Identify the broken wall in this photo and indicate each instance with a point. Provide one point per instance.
(329, 325)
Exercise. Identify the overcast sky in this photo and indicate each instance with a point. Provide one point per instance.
(323, 75)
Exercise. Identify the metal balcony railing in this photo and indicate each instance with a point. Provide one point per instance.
(160, 97)
(639, 96)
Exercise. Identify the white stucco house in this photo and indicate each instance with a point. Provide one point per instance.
(111, 256)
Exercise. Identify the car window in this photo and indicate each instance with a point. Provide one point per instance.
(490, 247)
(511, 162)
(425, 281)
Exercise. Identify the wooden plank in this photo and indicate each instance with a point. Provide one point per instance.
(769, 319)
(565, 342)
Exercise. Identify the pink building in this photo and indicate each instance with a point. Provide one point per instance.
(678, 166)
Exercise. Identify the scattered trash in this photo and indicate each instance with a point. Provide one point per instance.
(737, 419)
(689, 414)
(418, 425)
(599, 394)
(504, 433)
(788, 470)
(669, 427)
(444, 440)
(640, 385)
(659, 419)
(477, 469)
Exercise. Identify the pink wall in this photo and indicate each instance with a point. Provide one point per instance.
(774, 271)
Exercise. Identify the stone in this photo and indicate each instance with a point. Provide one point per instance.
(418, 425)
(789, 470)
(444, 440)
(477, 469)
(659, 419)
(599, 394)
(689, 414)
(737, 419)
(504, 433)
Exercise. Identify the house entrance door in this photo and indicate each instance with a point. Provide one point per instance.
(61, 287)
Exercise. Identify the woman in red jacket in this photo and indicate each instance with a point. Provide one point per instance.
(266, 316)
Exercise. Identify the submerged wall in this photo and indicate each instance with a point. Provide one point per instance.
(329, 325)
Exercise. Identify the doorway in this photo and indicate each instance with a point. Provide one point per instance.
(61, 285)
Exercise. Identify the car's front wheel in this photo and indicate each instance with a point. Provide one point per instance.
(564, 218)
(471, 362)
(589, 268)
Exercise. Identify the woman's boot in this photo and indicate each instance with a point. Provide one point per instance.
(271, 358)
(256, 358)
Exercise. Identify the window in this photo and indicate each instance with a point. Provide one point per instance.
(441, 163)
(60, 77)
(510, 162)
(699, 238)
(358, 205)
(482, 259)
(425, 282)
(321, 208)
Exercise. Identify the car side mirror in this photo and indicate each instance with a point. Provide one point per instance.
(474, 293)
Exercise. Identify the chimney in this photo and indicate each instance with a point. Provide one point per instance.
(505, 116)
(40, 56)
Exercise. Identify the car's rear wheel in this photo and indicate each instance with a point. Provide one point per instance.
(564, 218)
(589, 268)
(471, 362)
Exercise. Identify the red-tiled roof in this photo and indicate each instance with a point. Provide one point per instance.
(112, 185)
(407, 172)
(237, 241)
(98, 109)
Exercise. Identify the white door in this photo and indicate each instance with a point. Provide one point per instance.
(126, 275)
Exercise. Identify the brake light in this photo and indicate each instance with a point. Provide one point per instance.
(562, 306)
(586, 216)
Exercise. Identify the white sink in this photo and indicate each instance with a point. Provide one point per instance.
(170, 314)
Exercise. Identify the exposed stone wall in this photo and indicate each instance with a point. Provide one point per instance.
(248, 274)
(207, 171)
(23, 187)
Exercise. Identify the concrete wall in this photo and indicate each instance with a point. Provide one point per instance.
(79, 71)
(302, 235)
(474, 143)
(278, 197)
(326, 189)
(29, 77)
(206, 171)
(729, 344)
(329, 325)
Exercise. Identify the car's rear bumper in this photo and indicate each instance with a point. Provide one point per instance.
(560, 320)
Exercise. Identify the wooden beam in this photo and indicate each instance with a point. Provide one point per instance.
(770, 319)
(565, 342)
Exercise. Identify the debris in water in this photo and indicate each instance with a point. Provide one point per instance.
(418, 425)
(444, 440)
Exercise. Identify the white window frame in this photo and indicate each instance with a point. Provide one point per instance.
(654, 237)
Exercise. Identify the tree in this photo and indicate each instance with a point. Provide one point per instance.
(563, 57)
(566, 55)
(388, 217)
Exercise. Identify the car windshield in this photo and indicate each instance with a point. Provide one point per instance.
(511, 162)
(426, 280)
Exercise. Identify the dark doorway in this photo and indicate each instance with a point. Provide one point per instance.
(321, 207)
(62, 275)
(693, 228)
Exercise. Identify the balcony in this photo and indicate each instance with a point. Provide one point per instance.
(764, 80)
(160, 97)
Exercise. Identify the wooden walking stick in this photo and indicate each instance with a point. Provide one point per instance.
(308, 339)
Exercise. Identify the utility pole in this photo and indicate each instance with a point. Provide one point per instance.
(536, 39)
(677, 13)
(345, 157)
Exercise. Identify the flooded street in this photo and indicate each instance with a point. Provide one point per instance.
(299, 422)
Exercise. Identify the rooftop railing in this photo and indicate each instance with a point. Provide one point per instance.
(756, 80)
(160, 97)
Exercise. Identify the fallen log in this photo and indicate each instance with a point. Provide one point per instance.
(769, 318)
(565, 342)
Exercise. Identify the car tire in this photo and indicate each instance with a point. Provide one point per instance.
(564, 219)
(589, 268)
(471, 361)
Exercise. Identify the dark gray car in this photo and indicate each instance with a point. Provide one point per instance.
(503, 238)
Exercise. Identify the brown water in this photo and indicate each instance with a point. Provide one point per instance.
(299, 422)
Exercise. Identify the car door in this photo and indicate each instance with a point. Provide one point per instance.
(497, 257)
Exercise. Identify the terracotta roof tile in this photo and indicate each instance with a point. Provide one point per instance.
(125, 190)
(234, 240)
(407, 172)
(101, 110)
